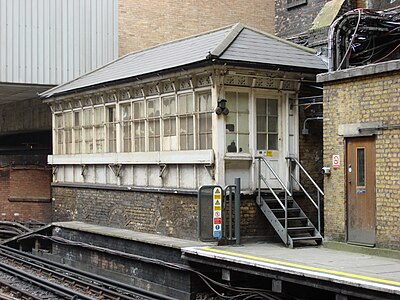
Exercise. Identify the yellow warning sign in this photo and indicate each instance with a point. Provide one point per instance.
(217, 203)
(269, 153)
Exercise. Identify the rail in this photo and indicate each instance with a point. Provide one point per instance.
(284, 188)
(317, 204)
(87, 282)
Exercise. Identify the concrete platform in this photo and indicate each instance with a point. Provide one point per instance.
(351, 269)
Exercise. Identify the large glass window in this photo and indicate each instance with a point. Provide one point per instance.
(77, 131)
(153, 116)
(68, 132)
(126, 127)
(169, 116)
(267, 124)
(237, 122)
(138, 126)
(186, 118)
(111, 129)
(88, 130)
(99, 128)
(205, 120)
(59, 132)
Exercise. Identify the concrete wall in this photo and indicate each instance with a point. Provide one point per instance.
(362, 95)
(143, 24)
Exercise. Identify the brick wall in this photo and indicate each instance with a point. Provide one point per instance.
(371, 98)
(165, 214)
(25, 194)
(293, 21)
(143, 24)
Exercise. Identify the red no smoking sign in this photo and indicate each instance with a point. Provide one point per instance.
(336, 161)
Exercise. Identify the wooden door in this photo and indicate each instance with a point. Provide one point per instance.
(361, 201)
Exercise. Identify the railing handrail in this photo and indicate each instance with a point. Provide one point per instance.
(306, 173)
(275, 174)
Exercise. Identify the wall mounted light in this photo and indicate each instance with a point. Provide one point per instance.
(221, 107)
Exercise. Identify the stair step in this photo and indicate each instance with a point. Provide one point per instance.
(305, 228)
(290, 209)
(306, 238)
(293, 219)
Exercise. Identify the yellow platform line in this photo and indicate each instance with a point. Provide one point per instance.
(304, 267)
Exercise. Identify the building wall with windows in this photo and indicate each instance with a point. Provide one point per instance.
(152, 144)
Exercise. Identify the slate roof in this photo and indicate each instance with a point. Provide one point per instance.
(232, 44)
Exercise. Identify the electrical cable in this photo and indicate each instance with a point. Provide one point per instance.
(351, 41)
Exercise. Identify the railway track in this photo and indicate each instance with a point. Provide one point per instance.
(25, 276)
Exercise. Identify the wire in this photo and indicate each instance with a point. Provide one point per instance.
(387, 55)
(351, 41)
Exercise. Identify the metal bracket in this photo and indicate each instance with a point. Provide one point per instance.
(211, 170)
(162, 169)
(116, 169)
(54, 171)
(83, 169)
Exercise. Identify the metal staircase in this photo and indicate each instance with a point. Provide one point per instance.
(283, 212)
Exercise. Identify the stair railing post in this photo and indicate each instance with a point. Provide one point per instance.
(319, 212)
(259, 179)
(286, 218)
(237, 211)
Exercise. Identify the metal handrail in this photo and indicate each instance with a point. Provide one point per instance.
(306, 173)
(274, 173)
(287, 192)
(319, 190)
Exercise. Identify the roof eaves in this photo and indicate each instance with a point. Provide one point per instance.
(229, 38)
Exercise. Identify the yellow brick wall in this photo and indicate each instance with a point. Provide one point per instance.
(145, 23)
(364, 99)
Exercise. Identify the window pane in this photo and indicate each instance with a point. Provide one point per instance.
(361, 167)
(261, 142)
(243, 143)
(138, 110)
(273, 124)
(205, 102)
(153, 108)
(261, 107)
(272, 142)
(261, 124)
(99, 115)
(272, 107)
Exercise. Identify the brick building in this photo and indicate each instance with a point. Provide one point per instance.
(144, 24)
(361, 132)
(361, 125)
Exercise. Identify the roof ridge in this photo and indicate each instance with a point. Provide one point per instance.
(306, 49)
(227, 41)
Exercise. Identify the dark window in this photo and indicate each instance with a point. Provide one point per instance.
(360, 167)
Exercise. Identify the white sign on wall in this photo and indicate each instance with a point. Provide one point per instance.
(336, 161)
